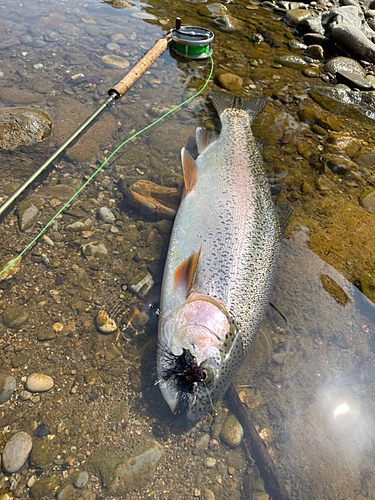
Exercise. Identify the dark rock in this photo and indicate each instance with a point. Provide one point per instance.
(317, 39)
(354, 40)
(310, 25)
(315, 52)
(41, 431)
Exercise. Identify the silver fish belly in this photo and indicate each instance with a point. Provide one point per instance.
(220, 265)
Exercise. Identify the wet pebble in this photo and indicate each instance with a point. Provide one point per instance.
(343, 63)
(115, 61)
(367, 201)
(119, 38)
(294, 62)
(104, 323)
(81, 480)
(208, 495)
(232, 83)
(209, 462)
(311, 72)
(113, 47)
(202, 442)
(7, 387)
(231, 432)
(38, 382)
(315, 52)
(295, 44)
(295, 16)
(353, 80)
(16, 451)
(106, 215)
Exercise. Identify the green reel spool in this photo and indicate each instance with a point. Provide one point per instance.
(191, 42)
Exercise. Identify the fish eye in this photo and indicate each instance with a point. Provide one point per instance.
(208, 375)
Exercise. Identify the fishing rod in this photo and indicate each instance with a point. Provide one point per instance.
(191, 42)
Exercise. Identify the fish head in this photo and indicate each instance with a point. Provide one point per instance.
(193, 355)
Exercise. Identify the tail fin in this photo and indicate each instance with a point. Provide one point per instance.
(253, 106)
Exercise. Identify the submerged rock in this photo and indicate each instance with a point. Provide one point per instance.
(27, 215)
(22, 127)
(293, 62)
(232, 83)
(115, 61)
(121, 471)
(152, 199)
(16, 451)
(340, 99)
(344, 63)
(232, 432)
(7, 387)
(11, 270)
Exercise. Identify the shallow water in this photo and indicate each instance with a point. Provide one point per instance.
(298, 373)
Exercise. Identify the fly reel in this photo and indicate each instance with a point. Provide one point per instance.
(191, 42)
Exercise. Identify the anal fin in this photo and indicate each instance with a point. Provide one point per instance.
(185, 272)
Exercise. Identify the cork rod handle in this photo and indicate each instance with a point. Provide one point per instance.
(147, 60)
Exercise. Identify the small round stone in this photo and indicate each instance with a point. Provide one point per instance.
(16, 451)
(7, 387)
(81, 480)
(232, 432)
(209, 462)
(38, 382)
(106, 215)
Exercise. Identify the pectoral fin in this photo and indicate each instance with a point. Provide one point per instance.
(185, 272)
(190, 170)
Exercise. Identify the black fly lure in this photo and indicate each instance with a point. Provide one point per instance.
(184, 371)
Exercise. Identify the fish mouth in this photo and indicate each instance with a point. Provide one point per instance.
(179, 378)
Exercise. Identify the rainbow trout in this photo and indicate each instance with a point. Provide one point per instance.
(221, 262)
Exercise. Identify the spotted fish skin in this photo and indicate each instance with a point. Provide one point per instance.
(229, 217)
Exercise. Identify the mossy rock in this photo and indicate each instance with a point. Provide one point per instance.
(44, 487)
(13, 317)
(42, 452)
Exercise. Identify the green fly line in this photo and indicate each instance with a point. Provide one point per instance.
(102, 165)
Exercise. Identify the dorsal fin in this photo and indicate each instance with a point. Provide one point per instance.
(204, 138)
(185, 272)
(190, 170)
